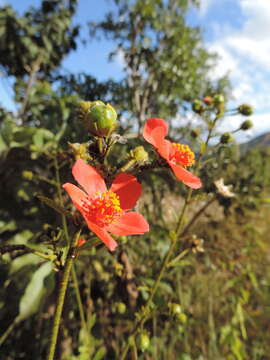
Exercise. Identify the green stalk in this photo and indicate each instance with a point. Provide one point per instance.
(73, 272)
(9, 330)
(78, 297)
(61, 295)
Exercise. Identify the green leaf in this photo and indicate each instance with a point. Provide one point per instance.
(41, 136)
(24, 260)
(203, 147)
(51, 203)
(34, 292)
(7, 131)
(100, 354)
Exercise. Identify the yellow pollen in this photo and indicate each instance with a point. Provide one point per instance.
(103, 208)
(182, 155)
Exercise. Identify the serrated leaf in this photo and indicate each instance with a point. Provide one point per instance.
(34, 292)
(51, 203)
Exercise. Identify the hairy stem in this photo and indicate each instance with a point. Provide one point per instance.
(73, 272)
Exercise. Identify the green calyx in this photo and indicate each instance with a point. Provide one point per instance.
(99, 118)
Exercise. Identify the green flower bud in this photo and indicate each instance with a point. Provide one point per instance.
(80, 151)
(226, 138)
(197, 106)
(100, 119)
(218, 99)
(139, 154)
(175, 308)
(143, 342)
(28, 175)
(83, 108)
(245, 109)
(246, 125)
(181, 318)
(120, 307)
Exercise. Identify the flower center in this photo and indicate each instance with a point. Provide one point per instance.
(182, 155)
(103, 209)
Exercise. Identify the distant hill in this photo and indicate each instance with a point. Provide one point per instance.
(259, 141)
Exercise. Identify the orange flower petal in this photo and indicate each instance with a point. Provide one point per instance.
(187, 177)
(76, 194)
(103, 235)
(128, 189)
(164, 149)
(131, 223)
(88, 177)
(155, 131)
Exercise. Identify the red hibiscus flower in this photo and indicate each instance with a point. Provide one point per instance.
(105, 211)
(178, 156)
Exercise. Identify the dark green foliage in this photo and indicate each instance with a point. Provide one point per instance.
(42, 36)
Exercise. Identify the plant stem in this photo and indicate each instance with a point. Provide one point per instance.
(73, 272)
(59, 193)
(78, 297)
(9, 330)
(197, 215)
(61, 295)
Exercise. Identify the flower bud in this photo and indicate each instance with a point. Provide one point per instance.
(226, 138)
(218, 99)
(208, 100)
(28, 175)
(181, 318)
(139, 154)
(99, 118)
(175, 308)
(80, 151)
(195, 133)
(245, 109)
(197, 106)
(143, 342)
(120, 307)
(246, 125)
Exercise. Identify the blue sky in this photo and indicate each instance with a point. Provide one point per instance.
(237, 30)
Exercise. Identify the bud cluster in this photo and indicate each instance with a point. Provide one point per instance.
(217, 102)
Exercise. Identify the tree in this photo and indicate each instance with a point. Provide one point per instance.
(165, 63)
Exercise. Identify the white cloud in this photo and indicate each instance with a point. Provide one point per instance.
(245, 54)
